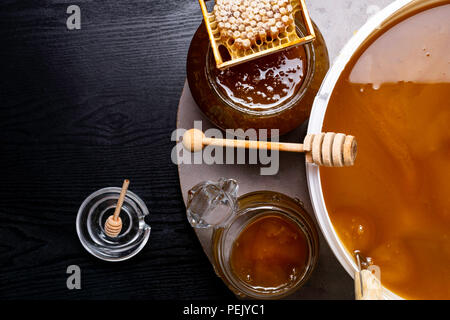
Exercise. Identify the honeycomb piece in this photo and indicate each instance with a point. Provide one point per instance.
(249, 29)
(252, 21)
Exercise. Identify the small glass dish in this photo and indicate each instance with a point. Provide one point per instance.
(91, 219)
(216, 205)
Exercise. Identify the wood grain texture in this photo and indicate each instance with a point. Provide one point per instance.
(81, 110)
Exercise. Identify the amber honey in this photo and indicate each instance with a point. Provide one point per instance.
(265, 82)
(394, 204)
(270, 253)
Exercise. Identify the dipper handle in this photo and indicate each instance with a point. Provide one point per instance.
(123, 192)
(367, 286)
(324, 149)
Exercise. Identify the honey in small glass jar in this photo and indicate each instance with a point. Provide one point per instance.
(264, 244)
(271, 252)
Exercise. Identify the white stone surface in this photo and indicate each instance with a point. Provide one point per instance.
(338, 20)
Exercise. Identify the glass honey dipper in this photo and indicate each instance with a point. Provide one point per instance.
(324, 149)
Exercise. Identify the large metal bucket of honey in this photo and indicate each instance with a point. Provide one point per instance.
(379, 22)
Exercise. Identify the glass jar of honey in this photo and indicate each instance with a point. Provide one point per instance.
(272, 92)
(265, 245)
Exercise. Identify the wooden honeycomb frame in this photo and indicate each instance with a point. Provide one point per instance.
(290, 38)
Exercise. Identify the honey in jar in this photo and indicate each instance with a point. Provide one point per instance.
(265, 82)
(272, 92)
(394, 204)
(264, 244)
(270, 252)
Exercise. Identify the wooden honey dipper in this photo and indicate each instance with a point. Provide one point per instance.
(113, 224)
(324, 149)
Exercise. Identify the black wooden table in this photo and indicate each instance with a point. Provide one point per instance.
(81, 110)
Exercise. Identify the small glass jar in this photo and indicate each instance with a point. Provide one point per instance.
(215, 205)
(227, 114)
(91, 218)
